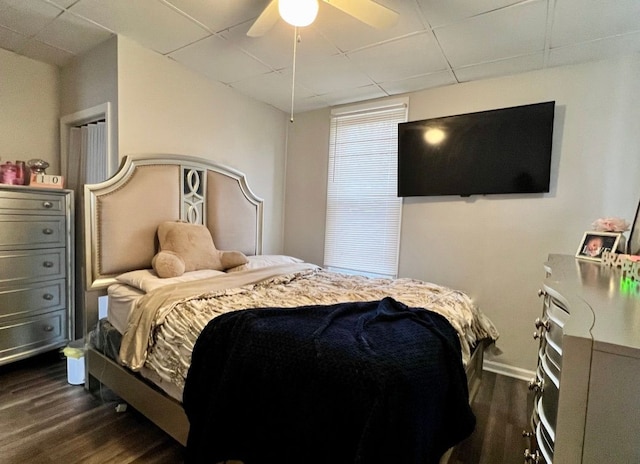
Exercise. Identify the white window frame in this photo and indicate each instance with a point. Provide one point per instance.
(355, 241)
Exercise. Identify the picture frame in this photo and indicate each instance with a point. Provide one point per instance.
(594, 243)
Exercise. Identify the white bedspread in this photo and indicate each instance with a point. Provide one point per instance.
(166, 323)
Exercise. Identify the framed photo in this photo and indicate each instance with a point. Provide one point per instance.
(593, 244)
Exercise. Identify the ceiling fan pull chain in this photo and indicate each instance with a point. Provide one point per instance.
(296, 39)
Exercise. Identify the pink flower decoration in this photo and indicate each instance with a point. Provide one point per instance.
(611, 224)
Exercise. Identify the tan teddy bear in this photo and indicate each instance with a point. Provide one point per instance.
(188, 247)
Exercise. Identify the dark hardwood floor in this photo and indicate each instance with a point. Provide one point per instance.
(45, 420)
(501, 406)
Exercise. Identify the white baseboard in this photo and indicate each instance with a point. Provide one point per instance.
(509, 371)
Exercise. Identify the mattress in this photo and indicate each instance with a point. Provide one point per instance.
(122, 300)
(176, 315)
(132, 286)
(159, 326)
(124, 295)
(107, 340)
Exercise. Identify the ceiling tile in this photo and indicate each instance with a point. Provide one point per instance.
(356, 94)
(595, 50)
(349, 34)
(583, 20)
(61, 3)
(73, 34)
(227, 13)
(220, 60)
(10, 40)
(309, 104)
(273, 88)
(331, 75)
(339, 59)
(514, 31)
(275, 48)
(410, 56)
(505, 67)
(151, 23)
(26, 16)
(442, 12)
(413, 84)
(46, 53)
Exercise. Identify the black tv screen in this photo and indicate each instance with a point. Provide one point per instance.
(499, 151)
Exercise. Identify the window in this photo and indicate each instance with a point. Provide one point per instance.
(363, 210)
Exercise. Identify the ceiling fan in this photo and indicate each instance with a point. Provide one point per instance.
(367, 11)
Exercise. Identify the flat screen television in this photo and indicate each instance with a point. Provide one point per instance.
(499, 151)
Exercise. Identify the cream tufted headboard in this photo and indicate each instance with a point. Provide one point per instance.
(121, 215)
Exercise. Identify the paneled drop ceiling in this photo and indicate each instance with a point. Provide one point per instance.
(339, 60)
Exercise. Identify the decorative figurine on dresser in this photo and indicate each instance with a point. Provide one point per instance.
(586, 390)
(36, 270)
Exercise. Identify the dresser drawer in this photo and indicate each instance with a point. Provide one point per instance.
(549, 399)
(545, 444)
(556, 318)
(30, 299)
(26, 336)
(32, 232)
(36, 271)
(553, 354)
(22, 202)
(32, 265)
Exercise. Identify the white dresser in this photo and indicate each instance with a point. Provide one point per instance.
(587, 385)
(36, 270)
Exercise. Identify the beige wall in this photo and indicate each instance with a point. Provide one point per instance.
(162, 107)
(493, 247)
(305, 199)
(29, 110)
(91, 80)
(165, 108)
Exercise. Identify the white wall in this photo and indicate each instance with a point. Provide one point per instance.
(166, 108)
(29, 110)
(493, 247)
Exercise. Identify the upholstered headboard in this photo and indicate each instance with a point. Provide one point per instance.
(122, 214)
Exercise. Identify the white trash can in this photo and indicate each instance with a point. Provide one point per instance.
(75, 362)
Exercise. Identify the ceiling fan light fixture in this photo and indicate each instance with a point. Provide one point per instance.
(299, 13)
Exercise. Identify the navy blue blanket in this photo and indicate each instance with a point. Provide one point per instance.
(372, 382)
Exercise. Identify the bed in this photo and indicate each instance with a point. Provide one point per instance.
(142, 350)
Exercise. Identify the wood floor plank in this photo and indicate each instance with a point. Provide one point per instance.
(44, 420)
(501, 415)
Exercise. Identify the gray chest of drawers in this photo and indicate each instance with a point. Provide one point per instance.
(36, 271)
(586, 405)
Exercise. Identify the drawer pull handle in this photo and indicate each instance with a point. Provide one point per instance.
(48, 264)
(47, 231)
(48, 328)
(47, 296)
(536, 385)
(47, 204)
(545, 325)
(531, 457)
(542, 293)
(527, 434)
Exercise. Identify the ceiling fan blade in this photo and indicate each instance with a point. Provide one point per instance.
(367, 11)
(267, 19)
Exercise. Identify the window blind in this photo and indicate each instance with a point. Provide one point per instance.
(363, 211)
